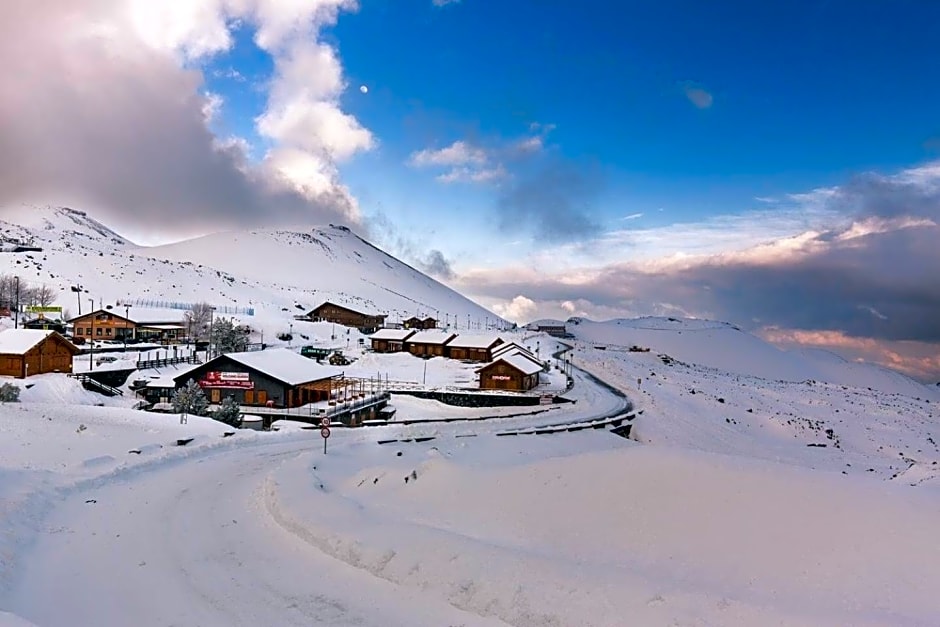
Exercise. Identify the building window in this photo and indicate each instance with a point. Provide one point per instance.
(108, 331)
(88, 331)
(79, 330)
(98, 331)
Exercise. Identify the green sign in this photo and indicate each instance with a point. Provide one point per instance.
(40, 309)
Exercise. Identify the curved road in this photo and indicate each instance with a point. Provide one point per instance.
(191, 544)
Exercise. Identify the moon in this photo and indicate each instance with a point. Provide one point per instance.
(364, 89)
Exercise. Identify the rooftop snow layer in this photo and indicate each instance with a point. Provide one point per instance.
(474, 341)
(285, 365)
(430, 337)
(19, 341)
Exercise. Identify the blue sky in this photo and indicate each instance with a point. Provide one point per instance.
(678, 110)
(771, 164)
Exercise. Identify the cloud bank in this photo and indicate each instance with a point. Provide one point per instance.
(872, 275)
(104, 107)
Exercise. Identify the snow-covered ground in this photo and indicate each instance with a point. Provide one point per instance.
(706, 522)
(760, 487)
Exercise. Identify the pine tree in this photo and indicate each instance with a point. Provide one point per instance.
(230, 412)
(190, 399)
(228, 338)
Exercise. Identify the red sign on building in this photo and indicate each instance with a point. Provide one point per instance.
(227, 381)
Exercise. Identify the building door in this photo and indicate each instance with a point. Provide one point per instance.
(249, 397)
(262, 397)
(216, 395)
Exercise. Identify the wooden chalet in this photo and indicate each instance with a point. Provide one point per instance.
(511, 371)
(390, 340)
(430, 343)
(276, 377)
(473, 348)
(138, 323)
(338, 314)
(25, 352)
(420, 323)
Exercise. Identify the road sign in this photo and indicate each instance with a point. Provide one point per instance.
(324, 422)
(324, 433)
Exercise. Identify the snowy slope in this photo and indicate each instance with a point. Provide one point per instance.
(726, 348)
(277, 273)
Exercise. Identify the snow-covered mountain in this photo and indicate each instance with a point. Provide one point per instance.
(275, 272)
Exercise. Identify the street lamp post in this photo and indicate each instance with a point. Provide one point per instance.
(290, 335)
(211, 332)
(16, 307)
(91, 342)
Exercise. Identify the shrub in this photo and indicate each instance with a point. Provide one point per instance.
(9, 393)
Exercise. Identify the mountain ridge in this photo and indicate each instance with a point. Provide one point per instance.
(269, 270)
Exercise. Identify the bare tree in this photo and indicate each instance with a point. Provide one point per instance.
(44, 296)
(7, 289)
(197, 321)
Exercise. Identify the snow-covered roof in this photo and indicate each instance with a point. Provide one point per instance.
(285, 365)
(164, 327)
(430, 336)
(473, 341)
(19, 341)
(520, 362)
(392, 334)
(512, 347)
(142, 315)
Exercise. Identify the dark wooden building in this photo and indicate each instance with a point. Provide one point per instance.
(473, 347)
(45, 324)
(158, 325)
(25, 352)
(331, 312)
(510, 372)
(420, 323)
(555, 328)
(278, 377)
(431, 343)
(390, 340)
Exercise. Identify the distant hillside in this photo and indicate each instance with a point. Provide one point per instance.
(277, 273)
(724, 347)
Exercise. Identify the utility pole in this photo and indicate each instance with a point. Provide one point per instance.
(127, 314)
(91, 345)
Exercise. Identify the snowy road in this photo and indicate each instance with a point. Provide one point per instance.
(192, 544)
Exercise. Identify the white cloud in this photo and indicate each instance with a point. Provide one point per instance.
(194, 28)
(463, 163)
(459, 153)
(444, 3)
(632, 216)
(698, 96)
(107, 76)
(470, 175)
(212, 105)
(530, 144)
(519, 309)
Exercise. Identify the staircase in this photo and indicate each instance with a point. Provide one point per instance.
(93, 385)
